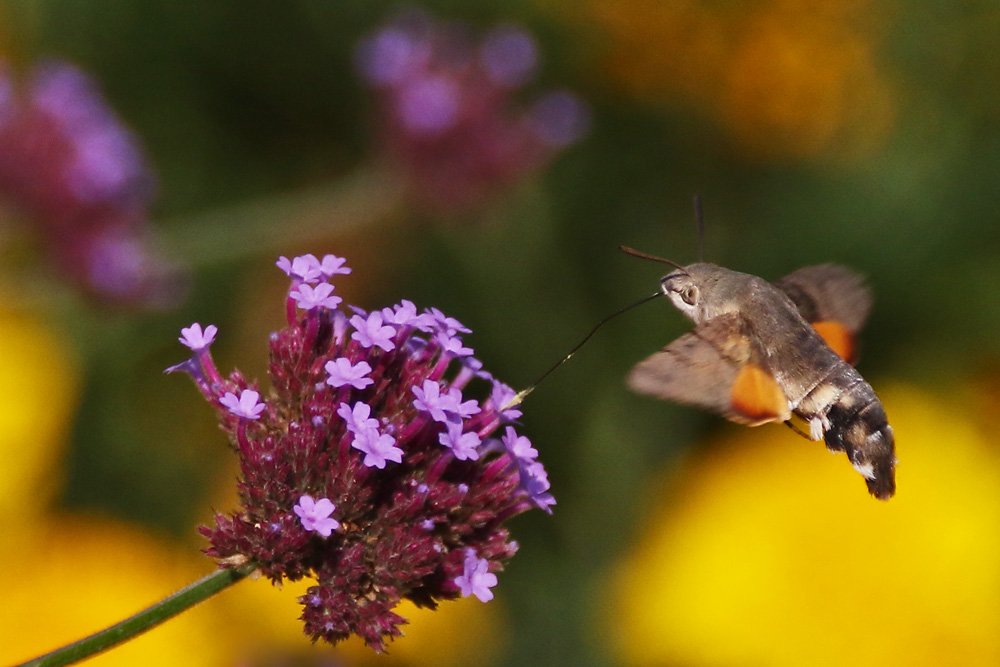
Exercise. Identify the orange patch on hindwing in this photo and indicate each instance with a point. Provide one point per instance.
(838, 337)
(756, 396)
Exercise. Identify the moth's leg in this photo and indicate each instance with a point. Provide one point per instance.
(818, 426)
(795, 428)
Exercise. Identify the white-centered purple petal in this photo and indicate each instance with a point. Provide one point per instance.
(308, 297)
(245, 406)
(357, 418)
(332, 265)
(377, 447)
(518, 445)
(304, 267)
(372, 332)
(463, 445)
(476, 579)
(343, 372)
(197, 339)
(315, 515)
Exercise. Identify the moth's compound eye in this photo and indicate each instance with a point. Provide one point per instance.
(689, 295)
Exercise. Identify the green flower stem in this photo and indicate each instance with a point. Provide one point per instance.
(145, 620)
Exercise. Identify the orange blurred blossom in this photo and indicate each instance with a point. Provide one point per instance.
(788, 80)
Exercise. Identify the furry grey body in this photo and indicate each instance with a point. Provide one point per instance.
(743, 319)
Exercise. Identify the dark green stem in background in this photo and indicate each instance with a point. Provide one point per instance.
(369, 195)
(146, 619)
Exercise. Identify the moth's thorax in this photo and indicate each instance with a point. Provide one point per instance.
(703, 291)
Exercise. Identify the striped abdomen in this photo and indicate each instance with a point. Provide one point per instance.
(844, 411)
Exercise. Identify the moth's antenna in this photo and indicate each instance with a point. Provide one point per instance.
(524, 392)
(700, 222)
(642, 255)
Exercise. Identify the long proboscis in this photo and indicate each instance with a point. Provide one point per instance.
(520, 396)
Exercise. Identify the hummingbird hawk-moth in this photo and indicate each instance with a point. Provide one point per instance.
(761, 352)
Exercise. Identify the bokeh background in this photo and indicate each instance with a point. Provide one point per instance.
(860, 132)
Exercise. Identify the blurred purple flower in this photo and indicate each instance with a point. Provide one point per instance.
(509, 55)
(6, 95)
(428, 105)
(105, 162)
(428, 527)
(447, 109)
(70, 166)
(389, 56)
(560, 118)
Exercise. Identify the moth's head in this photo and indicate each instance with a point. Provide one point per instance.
(700, 291)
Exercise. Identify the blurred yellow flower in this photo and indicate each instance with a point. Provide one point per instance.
(41, 383)
(788, 79)
(69, 577)
(766, 550)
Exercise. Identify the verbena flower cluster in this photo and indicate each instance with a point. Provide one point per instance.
(74, 172)
(373, 464)
(447, 110)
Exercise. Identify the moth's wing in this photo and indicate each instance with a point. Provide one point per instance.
(829, 292)
(689, 370)
(715, 367)
(834, 299)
